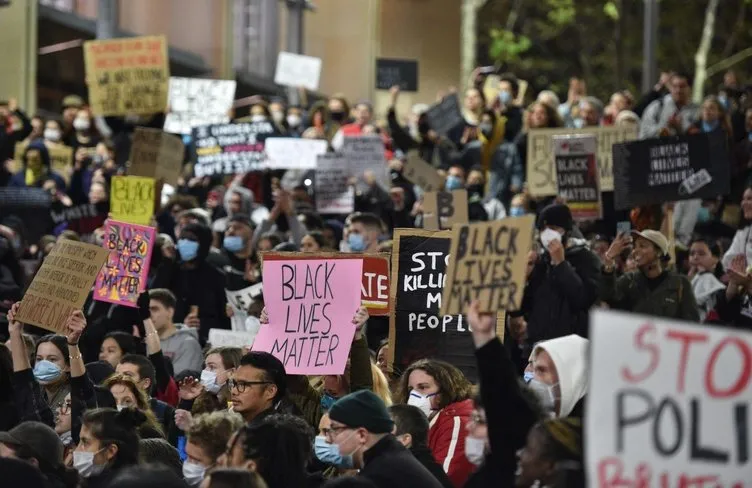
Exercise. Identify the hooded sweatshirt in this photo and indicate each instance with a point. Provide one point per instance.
(183, 349)
(258, 213)
(19, 179)
(569, 354)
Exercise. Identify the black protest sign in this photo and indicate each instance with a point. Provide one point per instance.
(668, 169)
(416, 328)
(31, 205)
(84, 218)
(419, 172)
(577, 177)
(443, 209)
(488, 261)
(445, 115)
(229, 149)
(397, 72)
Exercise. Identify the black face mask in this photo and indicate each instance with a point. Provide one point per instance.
(338, 116)
(475, 190)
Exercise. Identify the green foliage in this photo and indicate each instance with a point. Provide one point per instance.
(506, 46)
(611, 10)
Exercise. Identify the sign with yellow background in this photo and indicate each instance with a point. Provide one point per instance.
(132, 199)
(61, 159)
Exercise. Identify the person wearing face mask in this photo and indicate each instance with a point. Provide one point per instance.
(277, 113)
(653, 289)
(361, 429)
(294, 121)
(237, 251)
(84, 132)
(476, 193)
(206, 441)
(507, 107)
(36, 168)
(411, 429)
(179, 343)
(128, 394)
(363, 235)
(442, 393)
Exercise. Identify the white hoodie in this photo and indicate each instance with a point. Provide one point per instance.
(569, 354)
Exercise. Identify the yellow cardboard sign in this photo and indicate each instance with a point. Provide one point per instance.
(541, 172)
(132, 199)
(61, 159)
(127, 76)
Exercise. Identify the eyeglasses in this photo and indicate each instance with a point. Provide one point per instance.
(331, 433)
(241, 385)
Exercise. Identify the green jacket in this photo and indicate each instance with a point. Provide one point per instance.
(672, 299)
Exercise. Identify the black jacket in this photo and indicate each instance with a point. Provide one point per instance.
(425, 457)
(388, 464)
(557, 298)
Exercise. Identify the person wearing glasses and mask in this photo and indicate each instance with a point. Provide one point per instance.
(258, 386)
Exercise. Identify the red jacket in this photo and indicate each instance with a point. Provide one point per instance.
(446, 438)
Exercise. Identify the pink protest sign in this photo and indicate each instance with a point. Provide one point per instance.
(123, 277)
(311, 304)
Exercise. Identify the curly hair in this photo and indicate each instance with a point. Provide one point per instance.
(453, 385)
(142, 400)
(212, 431)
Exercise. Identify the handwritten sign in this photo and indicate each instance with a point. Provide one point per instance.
(231, 338)
(124, 275)
(669, 403)
(61, 285)
(443, 209)
(577, 176)
(132, 199)
(61, 159)
(541, 173)
(445, 115)
(488, 264)
(231, 148)
(397, 72)
(127, 76)
(291, 153)
(334, 195)
(196, 101)
(156, 154)
(365, 154)
(239, 301)
(419, 172)
(298, 70)
(311, 304)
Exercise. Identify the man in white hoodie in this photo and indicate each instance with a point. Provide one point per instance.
(179, 342)
(560, 374)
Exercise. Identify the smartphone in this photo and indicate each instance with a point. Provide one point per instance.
(623, 227)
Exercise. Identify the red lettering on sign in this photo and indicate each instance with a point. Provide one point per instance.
(655, 354)
(746, 369)
(686, 338)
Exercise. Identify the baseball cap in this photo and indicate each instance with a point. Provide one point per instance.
(655, 237)
(39, 439)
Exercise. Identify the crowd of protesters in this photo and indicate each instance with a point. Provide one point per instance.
(138, 396)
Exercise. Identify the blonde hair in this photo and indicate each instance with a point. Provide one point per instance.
(142, 401)
(381, 385)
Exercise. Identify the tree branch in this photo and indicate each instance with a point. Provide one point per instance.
(701, 58)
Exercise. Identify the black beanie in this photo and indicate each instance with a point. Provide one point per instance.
(362, 409)
(557, 214)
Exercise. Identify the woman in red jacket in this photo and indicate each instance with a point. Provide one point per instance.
(443, 393)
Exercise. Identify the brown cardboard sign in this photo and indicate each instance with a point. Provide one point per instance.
(443, 209)
(421, 173)
(61, 284)
(156, 154)
(487, 263)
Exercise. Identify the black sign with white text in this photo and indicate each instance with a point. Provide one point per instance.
(399, 72)
(228, 149)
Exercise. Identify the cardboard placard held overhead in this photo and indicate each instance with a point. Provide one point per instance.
(577, 176)
(445, 115)
(443, 209)
(419, 172)
(397, 72)
(334, 195)
(197, 101)
(365, 155)
(668, 403)
(61, 285)
(156, 154)
(132, 199)
(541, 172)
(127, 76)
(668, 169)
(297, 70)
(487, 263)
(293, 153)
(229, 149)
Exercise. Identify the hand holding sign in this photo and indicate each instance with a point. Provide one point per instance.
(75, 326)
(359, 320)
(482, 325)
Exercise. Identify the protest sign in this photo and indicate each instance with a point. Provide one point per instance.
(488, 261)
(61, 159)
(123, 277)
(83, 218)
(132, 199)
(231, 338)
(668, 403)
(491, 88)
(374, 285)
(443, 209)
(196, 101)
(445, 115)
(365, 154)
(297, 70)
(417, 330)
(156, 154)
(231, 148)
(668, 169)
(334, 195)
(419, 172)
(311, 304)
(577, 177)
(541, 172)
(127, 76)
(239, 301)
(397, 72)
(292, 153)
(61, 285)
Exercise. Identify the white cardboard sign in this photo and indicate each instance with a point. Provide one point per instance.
(196, 101)
(298, 70)
(292, 153)
(669, 403)
(231, 338)
(334, 195)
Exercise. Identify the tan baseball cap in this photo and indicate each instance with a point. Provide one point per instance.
(655, 237)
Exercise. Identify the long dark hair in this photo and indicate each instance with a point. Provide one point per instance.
(59, 342)
(109, 426)
(453, 385)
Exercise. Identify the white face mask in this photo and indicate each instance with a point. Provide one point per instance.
(423, 402)
(293, 120)
(52, 135)
(258, 118)
(81, 124)
(548, 236)
(84, 463)
(209, 381)
(120, 407)
(278, 116)
(193, 473)
(475, 450)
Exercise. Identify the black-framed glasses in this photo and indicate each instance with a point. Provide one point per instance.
(332, 432)
(241, 385)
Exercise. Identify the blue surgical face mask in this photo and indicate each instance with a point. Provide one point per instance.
(529, 375)
(356, 242)
(453, 183)
(233, 243)
(46, 371)
(327, 401)
(505, 97)
(709, 126)
(188, 249)
(516, 212)
(329, 453)
(703, 215)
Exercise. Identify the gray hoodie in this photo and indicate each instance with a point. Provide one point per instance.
(257, 213)
(183, 349)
